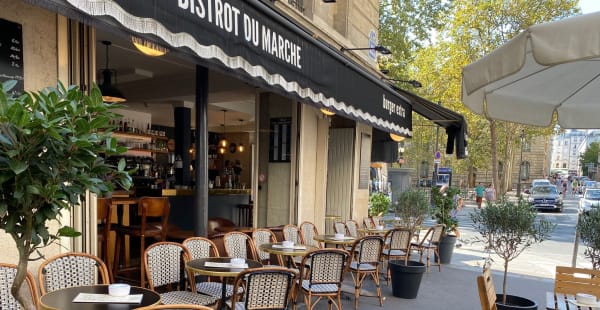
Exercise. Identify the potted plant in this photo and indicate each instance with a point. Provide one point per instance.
(411, 207)
(50, 143)
(507, 228)
(379, 203)
(588, 228)
(443, 199)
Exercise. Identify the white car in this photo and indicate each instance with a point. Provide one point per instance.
(538, 182)
(589, 200)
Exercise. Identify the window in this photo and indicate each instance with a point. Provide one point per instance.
(564, 165)
(525, 170)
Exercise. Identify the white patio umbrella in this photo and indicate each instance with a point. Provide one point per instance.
(551, 67)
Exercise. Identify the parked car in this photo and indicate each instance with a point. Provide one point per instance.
(537, 182)
(589, 200)
(545, 197)
(587, 184)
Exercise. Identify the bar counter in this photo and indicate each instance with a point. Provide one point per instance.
(221, 203)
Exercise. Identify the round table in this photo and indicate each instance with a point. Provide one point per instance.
(373, 231)
(278, 249)
(199, 266)
(63, 299)
(330, 239)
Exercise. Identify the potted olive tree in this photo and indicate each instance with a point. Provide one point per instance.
(379, 203)
(411, 207)
(444, 201)
(507, 228)
(50, 146)
(589, 232)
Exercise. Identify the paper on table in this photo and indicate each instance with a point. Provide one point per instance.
(223, 265)
(295, 247)
(105, 298)
(575, 302)
(343, 238)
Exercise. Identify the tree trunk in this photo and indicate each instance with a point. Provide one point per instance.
(494, 152)
(24, 247)
(504, 281)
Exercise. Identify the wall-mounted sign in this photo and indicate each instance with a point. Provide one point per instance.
(280, 139)
(11, 54)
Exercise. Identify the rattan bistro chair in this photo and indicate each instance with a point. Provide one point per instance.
(352, 228)
(200, 247)
(8, 272)
(264, 288)
(175, 307)
(164, 267)
(323, 272)
(262, 236)
(430, 243)
(71, 269)
(239, 245)
(367, 256)
(397, 248)
(339, 227)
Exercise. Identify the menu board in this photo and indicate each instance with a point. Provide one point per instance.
(11, 54)
(364, 171)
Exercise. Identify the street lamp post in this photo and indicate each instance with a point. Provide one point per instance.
(520, 164)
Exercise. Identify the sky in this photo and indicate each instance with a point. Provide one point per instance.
(589, 6)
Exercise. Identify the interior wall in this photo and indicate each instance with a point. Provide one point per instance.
(40, 63)
(340, 175)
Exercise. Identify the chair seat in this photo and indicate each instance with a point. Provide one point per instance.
(319, 288)
(425, 245)
(394, 252)
(214, 289)
(362, 267)
(185, 297)
(135, 230)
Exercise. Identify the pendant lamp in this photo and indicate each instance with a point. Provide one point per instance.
(223, 142)
(109, 92)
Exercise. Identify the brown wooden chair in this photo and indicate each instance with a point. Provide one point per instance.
(104, 211)
(569, 281)
(487, 292)
(8, 272)
(154, 217)
(71, 269)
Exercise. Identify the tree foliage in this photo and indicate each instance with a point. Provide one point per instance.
(589, 157)
(50, 143)
(589, 230)
(460, 32)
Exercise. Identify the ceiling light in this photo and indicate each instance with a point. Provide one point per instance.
(327, 111)
(148, 47)
(396, 137)
(109, 92)
(223, 143)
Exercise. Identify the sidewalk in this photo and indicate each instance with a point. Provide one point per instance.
(453, 288)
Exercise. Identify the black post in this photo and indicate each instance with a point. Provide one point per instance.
(520, 164)
(201, 208)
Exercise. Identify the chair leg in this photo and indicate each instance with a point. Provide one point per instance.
(377, 286)
(117, 258)
(437, 252)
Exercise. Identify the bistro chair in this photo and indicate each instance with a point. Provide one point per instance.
(239, 245)
(430, 243)
(148, 208)
(164, 266)
(397, 248)
(308, 231)
(323, 272)
(352, 228)
(487, 292)
(339, 227)
(262, 236)
(569, 281)
(200, 247)
(264, 288)
(368, 223)
(292, 233)
(175, 307)
(366, 263)
(8, 272)
(71, 269)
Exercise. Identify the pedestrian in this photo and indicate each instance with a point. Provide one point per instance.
(575, 187)
(490, 193)
(459, 203)
(479, 190)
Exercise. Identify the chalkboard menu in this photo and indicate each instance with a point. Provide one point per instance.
(11, 54)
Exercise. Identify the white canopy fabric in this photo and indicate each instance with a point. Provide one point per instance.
(549, 67)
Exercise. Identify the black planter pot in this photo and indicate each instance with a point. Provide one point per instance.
(515, 303)
(446, 248)
(406, 278)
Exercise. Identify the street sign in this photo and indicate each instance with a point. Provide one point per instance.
(437, 157)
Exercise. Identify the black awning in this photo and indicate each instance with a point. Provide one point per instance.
(250, 38)
(454, 123)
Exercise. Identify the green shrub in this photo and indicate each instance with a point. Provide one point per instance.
(379, 203)
(589, 232)
(412, 206)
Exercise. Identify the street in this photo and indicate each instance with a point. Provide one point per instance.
(540, 259)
